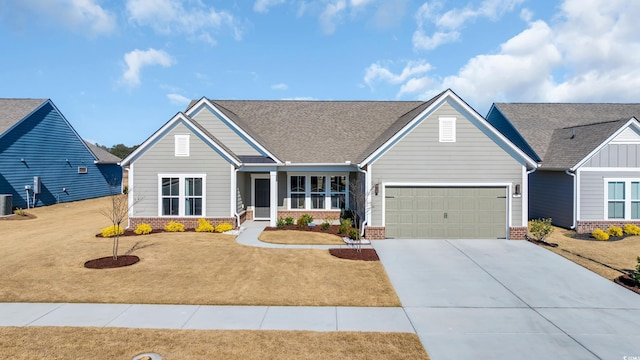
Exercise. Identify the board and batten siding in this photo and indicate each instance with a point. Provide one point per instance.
(551, 196)
(616, 155)
(592, 191)
(473, 158)
(202, 159)
(51, 150)
(224, 133)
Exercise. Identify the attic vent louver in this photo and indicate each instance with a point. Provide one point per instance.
(573, 133)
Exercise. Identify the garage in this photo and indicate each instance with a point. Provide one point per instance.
(446, 212)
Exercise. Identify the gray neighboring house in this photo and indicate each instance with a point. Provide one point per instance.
(434, 169)
(589, 175)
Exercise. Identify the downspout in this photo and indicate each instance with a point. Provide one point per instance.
(575, 197)
(364, 222)
(235, 208)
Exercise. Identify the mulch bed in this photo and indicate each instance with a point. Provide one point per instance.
(588, 237)
(27, 216)
(130, 232)
(353, 254)
(628, 282)
(109, 263)
(541, 243)
(333, 229)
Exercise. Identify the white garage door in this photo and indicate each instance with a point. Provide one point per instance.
(446, 212)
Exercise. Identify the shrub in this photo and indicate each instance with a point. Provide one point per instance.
(224, 227)
(173, 226)
(280, 223)
(354, 234)
(20, 212)
(288, 220)
(325, 226)
(632, 229)
(600, 235)
(111, 231)
(304, 220)
(143, 229)
(636, 273)
(204, 226)
(345, 225)
(614, 231)
(540, 228)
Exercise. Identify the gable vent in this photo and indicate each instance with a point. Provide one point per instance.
(447, 129)
(181, 145)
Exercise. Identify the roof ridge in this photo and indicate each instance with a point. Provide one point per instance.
(595, 123)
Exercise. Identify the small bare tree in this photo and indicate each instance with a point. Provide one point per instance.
(117, 213)
(360, 202)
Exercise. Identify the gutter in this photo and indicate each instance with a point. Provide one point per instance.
(575, 197)
(235, 208)
(366, 187)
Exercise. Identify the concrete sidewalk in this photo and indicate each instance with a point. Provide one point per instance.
(202, 317)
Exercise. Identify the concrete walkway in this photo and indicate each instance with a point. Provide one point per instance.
(499, 299)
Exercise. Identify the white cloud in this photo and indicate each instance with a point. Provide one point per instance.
(448, 24)
(262, 6)
(178, 99)
(279, 86)
(75, 14)
(332, 13)
(137, 59)
(357, 3)
(181, 16)
(379, 73)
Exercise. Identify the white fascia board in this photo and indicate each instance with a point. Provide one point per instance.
(165, 128)
(205, 103)
(447, 184)
(632, 122)
(448, 95)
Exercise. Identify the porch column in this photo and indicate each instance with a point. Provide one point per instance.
(273, 201)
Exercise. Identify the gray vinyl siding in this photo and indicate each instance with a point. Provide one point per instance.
(225, 134)
(160, 159)
(282, 191)
(616, 155)
(592, 191)
(420, 158)
(243, 191)
(551, 196)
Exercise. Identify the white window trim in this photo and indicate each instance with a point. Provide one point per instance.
(181, 140)
(327, 190)
(627, 197)
(447, 122)
(182, 194)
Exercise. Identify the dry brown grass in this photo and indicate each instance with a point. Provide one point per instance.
(299, 237)
(41, 260)
(620, 254)
(115, 343)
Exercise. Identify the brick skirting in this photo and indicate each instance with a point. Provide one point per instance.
(189, 223)
(517, 232)
(375, 233)
(587, 226)
(317, 214)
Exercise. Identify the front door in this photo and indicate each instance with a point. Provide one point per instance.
(262, 197)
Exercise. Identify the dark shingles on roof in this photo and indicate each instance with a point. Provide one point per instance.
(318, 131)
(102, 155)
(14, 110)
(547, 127)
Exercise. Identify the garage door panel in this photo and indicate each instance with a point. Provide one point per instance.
(441, 212)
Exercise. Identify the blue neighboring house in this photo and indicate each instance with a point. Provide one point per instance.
(44, 161)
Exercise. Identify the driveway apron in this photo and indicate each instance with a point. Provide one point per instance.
(500, 299)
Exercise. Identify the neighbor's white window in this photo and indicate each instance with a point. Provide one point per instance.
(182, 195)
(181, 145)
(447, 129)
(318, 192)
(622, 199)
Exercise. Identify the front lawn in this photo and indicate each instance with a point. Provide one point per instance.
(41, 260)
(299, 237)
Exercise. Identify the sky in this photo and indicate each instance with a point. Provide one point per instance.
(119, 69)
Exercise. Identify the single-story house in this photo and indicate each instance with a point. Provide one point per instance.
(589, 154)
(44, 161)
(434, 169)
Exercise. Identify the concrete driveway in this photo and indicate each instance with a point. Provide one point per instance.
(499, 299)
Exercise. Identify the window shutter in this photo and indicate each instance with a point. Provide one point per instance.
(447, 129)
(181, 145)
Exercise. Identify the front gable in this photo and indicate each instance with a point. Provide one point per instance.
(620, 150)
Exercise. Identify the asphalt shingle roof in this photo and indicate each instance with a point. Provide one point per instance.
(320, 131)
(102, 155)
(14, 110)
(548, 128)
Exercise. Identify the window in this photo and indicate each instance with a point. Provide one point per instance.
(181, 145)
(447, 129)
(182, 195)
(318, 192)
(622, 199)
(82, 170)
(298, 191)
(338, 192)
(321, 192)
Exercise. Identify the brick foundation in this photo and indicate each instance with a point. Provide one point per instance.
(517, 232)
(375, 233)
(587, 226)
(189, 223)
(317, 214)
